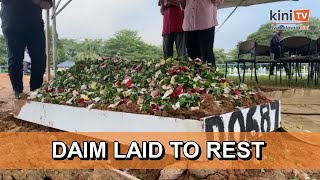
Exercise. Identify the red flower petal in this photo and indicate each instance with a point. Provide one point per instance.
(123, 102)
(184, 68)
(236, 92)
(129, 83)
(139, 68)
(177, 91)
(203, 91)
(171, 71)
(222, 81)
(61, 90)
(81, 100)
(48, 90)
(155, 107)
(118, 83)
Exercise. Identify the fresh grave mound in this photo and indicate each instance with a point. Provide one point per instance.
(175, 87)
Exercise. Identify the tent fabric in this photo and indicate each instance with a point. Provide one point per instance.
(27, 57)
(235, 3)
(66, 64)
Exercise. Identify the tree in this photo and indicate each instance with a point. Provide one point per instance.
(232, 54)
(68, 49)
(89, 50)
(220, 56)
(128, 44)
(3, 51)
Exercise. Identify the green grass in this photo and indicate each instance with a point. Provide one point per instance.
(265, 81)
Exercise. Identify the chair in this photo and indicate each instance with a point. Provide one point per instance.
(316, 63)
(313, 48)
(318, 46)
(262, 50)
(298, 46)
(313, 54)
(247, 47)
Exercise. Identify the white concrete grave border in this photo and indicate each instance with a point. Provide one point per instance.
(262, 118)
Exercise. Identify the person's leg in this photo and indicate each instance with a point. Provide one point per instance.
(193, 49)
(206, 40)
(37, 50)
(15, 48)
(168, 41)
(180, 44)
(277, 55)
(273, 65)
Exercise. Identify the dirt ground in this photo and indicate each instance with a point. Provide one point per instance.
(292, 122)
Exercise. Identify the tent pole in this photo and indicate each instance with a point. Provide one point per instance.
(48, 45)
(54, 40)
(64, 6)
(55, 9)
(241, 2)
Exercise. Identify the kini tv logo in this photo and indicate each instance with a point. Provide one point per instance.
(292, 20)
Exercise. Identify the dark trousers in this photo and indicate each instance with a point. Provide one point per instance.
(168, 44)
(17, 40)
(277, 55)
(200, 45)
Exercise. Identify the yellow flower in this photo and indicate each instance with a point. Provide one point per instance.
(225, 84)
(85, 97)
(93, 85)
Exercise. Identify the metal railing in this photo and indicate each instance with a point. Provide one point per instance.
(263, 69)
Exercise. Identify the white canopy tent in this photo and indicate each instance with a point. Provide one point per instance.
(56, 10)
(244, 3)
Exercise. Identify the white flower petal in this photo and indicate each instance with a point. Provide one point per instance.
(84, 87)
(194, 108)
(173, 80)
(97, 99)
(90, 106)
(168, 93)
(75, 93)
(176, 106)
(157, 74)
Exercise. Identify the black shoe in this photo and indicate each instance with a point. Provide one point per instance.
(17, 94)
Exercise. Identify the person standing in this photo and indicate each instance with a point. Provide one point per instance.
(23, 26)
(172, 32)
(200, 19)
(276, 51)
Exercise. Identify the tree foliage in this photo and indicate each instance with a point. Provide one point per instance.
(220, 56)
(128, 44)
(3, 51)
